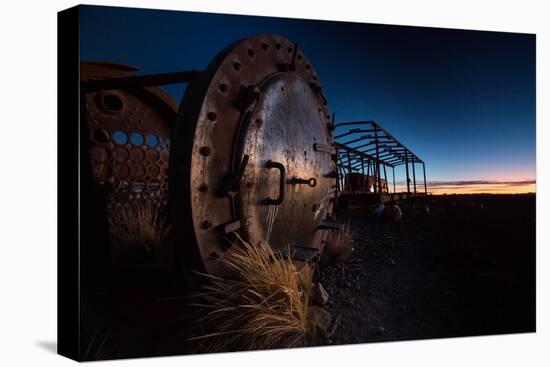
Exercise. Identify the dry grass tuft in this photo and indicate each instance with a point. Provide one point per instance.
(140, 225)
(263, 305)
(338, 246)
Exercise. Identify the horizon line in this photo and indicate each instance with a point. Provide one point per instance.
(439, 183)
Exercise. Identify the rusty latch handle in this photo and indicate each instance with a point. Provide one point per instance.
(282, 181)
(300, 181)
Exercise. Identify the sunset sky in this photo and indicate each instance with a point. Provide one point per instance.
(463, 101)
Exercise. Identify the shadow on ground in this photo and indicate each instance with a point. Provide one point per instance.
(49, 346)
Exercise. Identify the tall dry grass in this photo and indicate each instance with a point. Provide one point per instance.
(140, 225)
(338, 245)
(264, 304)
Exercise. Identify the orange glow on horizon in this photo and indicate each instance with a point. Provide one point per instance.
(492, 188)
(474, 187)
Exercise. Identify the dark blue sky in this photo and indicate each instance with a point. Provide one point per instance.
(463, 101)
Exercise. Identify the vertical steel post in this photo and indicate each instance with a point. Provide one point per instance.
(368, 174)
(377, 163)
(363, 174)
(414, 174)
(407, 171)
(349, 171)
(374, 175)
(425, 185)
(386, 179)
(338, 169)
(342, 177)
(393, 176)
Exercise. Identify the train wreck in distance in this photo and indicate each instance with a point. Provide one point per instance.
(366, 153)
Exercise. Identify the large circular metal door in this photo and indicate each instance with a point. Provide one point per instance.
(282, 188)
(252, 153)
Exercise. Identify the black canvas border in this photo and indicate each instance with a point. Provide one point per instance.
(68, 186)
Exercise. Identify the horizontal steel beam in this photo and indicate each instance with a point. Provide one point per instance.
(353, 131)
(354, 123)
(377, 127)
(139, 81)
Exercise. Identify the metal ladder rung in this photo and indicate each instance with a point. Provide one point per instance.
(330, 224)
(300, 253)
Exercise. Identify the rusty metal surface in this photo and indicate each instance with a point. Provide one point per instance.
(359, 182)
(260, 100)
(130, 131)
(284, 125)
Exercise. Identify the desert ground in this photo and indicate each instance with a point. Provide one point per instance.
(455, 265)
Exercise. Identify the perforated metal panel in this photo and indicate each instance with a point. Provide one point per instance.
(129, 133)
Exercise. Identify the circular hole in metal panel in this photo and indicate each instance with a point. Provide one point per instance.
(102, 171)
(121, 154)
(136, 139)
(138, 186)
(113, 102)
(101, 136)
(152, 155)
(212, 116)
(123, 186)
(121, 171)
(137, 155)
(153, 171)
(120, 137)
(154, 185)
(139, 170)
(152, 141)
(100, 154)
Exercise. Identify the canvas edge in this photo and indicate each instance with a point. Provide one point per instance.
(68, 187)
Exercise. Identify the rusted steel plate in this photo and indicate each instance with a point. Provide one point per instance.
(258, 101)
(284, 126)
(359, 182)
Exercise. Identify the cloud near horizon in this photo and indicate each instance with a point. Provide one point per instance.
(481, 186)
(480, 182)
